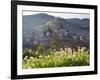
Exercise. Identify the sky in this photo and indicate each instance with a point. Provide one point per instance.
(58, 14)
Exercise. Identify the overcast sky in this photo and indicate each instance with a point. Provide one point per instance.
(57, 14)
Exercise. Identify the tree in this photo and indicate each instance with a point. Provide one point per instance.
(55, 40)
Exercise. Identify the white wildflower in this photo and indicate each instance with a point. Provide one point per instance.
(30, 50)
(54, 50)
(69, 50)
(31, 58)
(25, 58)
(83, 49)
(61, 49)
(65, 49)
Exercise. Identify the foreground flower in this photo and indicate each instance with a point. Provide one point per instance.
(54, 50)
(31, 58)
(69, 50)
(25, 58)
(30, 50)
(61, 49)
(65, 49)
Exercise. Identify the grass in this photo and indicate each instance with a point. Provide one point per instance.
(52, 58)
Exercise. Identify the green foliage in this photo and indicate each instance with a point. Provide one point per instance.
(50, 58)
